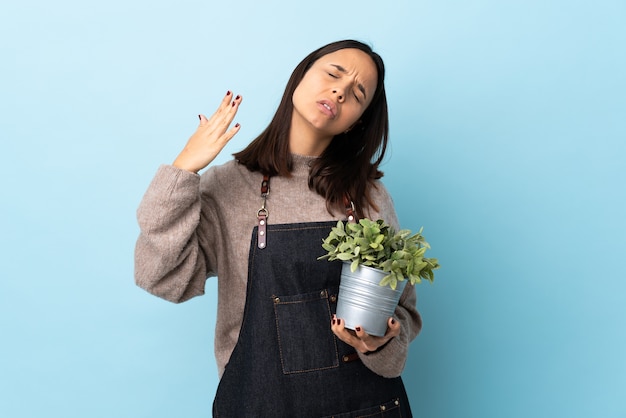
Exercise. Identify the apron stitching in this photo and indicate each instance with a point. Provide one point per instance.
(277, 302)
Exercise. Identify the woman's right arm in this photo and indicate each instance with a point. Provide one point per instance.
(173, 254)
(170, 261)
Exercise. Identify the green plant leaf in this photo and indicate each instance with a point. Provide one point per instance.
(420, 265)
(376, 244)
(344, 247)
(393, 282)
(414, 279)
(388, 280)
(344, 256)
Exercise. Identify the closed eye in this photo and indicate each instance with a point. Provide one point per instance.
(355, 94)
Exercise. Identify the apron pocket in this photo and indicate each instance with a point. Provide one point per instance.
(305, 340)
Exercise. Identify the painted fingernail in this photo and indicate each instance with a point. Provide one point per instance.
(234, 104)
(334, 321)
(393, 321)
(358, 329)
(236, 125)
(228, 93)
(237, 98)
(199, 117)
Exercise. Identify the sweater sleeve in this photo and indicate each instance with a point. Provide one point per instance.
(171, 259)
(389, 360)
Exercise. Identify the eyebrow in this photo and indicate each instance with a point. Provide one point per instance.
(359, 85)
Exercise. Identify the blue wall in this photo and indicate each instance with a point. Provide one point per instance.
(508, 147)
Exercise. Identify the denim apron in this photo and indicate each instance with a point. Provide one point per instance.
(287, 362)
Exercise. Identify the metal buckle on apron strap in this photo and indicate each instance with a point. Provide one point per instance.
(262, 214)
(349, 204)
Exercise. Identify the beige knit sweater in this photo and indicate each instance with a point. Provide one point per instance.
(193, 227)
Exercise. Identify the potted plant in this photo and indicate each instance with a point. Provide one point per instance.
(378, 263)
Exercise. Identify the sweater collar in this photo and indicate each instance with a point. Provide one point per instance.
(301, 164)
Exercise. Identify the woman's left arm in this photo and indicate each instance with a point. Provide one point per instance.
(389, 359)
(386, 355)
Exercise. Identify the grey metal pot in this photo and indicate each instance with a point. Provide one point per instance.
(363, 302)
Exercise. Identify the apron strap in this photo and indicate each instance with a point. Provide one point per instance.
(262, 214)
(349, 205)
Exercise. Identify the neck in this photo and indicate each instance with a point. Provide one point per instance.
(304, 140)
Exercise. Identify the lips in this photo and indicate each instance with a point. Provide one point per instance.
(327, 107)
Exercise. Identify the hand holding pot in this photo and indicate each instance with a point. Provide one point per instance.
(361, 340)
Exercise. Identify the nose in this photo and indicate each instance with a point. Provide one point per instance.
(340, 94)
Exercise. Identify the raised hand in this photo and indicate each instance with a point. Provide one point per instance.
(211, 136)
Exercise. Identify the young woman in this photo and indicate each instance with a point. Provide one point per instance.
(257, 223)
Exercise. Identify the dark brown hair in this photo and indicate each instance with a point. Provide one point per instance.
(349, 165)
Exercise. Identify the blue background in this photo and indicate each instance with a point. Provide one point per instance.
(508, 146)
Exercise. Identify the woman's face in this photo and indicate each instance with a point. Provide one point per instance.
(334, 93)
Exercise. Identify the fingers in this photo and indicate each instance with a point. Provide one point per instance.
(228, 135)
(369, 342)
(393, 328)
(349, 337)
(225, 112)
(231, 111)
(361, 340)
(222, 107)
(339, 329)
(211, 136)
(217, 126)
